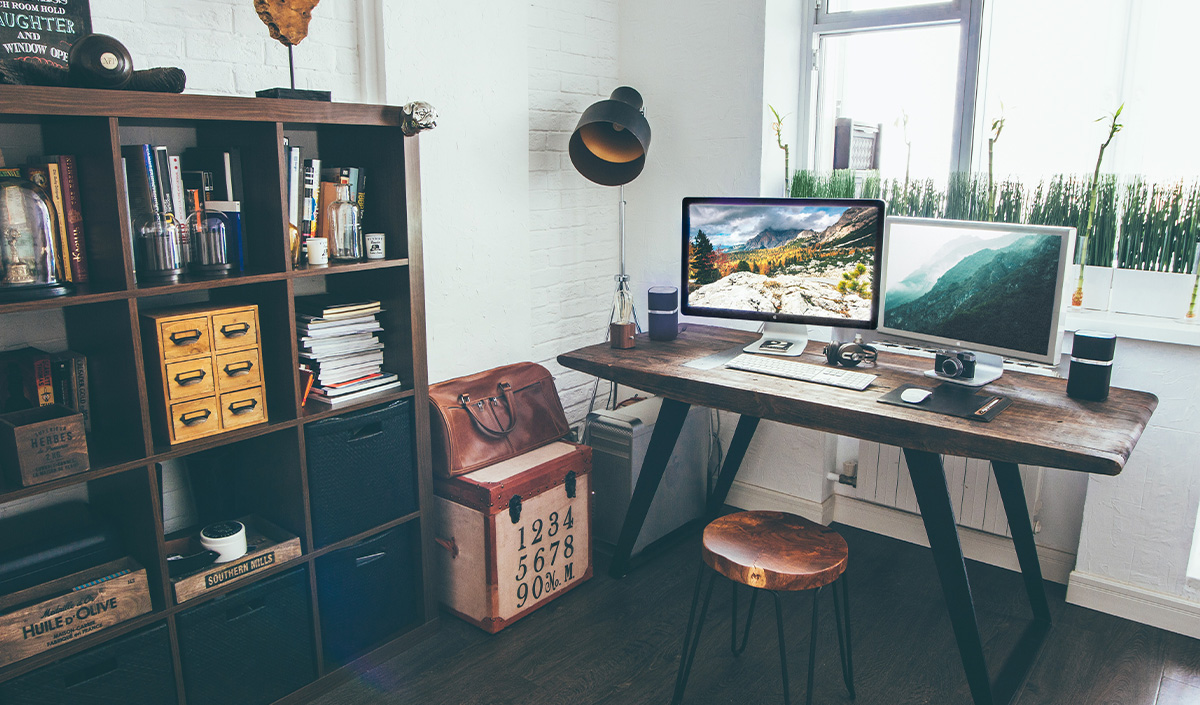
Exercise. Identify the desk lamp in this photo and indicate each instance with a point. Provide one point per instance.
(609, 147)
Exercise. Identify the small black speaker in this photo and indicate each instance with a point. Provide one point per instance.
(1091, 365)
(663, 302)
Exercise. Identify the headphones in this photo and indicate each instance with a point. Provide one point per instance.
(850, 354)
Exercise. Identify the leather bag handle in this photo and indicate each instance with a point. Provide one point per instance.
(475, 409)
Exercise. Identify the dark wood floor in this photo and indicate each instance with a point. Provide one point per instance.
(618, 641)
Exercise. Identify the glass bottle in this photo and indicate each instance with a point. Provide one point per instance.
(344, 228)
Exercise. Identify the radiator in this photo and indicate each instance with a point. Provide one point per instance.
(882, 478)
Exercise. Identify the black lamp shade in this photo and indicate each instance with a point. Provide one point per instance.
(610, 142)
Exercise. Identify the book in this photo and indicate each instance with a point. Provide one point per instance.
(129, 215)
(327, 195)
(45, 175)
(178, 198)
(26, 380)
(68, 175)
(68, 371)
(166, 195)
(293, 196)
(326, 306)
(355, 396)
(354, 384)
(140, 170)
(224, 167)
(312, 197)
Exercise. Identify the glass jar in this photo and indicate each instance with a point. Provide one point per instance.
(30, 264)
(346, 240)
(208, 242)
(159, 253)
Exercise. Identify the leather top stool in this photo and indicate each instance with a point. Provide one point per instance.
(772, 551)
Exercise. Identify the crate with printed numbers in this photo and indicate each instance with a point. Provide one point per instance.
(514, 535)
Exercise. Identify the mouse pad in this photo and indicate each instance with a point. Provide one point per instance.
(947, 399)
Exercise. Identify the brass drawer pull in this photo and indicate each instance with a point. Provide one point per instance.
(195, 417)
(235, 330)
(237, 369)
(238, 408)
(183, 379)
(186, 337)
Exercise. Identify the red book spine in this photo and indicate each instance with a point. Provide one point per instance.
(74, 217)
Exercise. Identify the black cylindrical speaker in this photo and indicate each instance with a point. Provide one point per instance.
(1091, 365)
(663, 302)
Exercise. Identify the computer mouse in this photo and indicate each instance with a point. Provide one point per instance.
(914, 395)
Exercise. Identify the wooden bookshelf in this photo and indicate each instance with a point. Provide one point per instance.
(101, 320)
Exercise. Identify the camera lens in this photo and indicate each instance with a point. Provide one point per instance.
(951, 367)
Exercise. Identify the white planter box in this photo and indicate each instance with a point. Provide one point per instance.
(1160, 294)
(1097, 286)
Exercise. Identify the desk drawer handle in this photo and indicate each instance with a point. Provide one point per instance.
(186, 337)
(238, 408)
(184, 379)
(237, 369)
(195, 417)
(235, 330)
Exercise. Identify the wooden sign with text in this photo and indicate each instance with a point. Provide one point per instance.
(42, 31)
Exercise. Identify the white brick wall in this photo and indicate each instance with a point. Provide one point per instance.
(572, 222)
(225, 48)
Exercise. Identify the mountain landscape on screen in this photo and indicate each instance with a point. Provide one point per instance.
(815, 261)
(995, 291)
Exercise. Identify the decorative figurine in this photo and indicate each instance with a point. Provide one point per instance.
(16, 270)
(418, 116)
(287, 21)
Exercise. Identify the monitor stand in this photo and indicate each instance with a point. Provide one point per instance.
(988, 368)
(780, 339)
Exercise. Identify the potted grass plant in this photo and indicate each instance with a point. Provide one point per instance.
(1156, 256)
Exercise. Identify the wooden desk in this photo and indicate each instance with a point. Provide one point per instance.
(1042, 427)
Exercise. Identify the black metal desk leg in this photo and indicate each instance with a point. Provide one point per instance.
(733, 460)
(662, 443)
(1008, 481)
(929, 485)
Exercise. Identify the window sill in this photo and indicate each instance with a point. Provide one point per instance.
(1126, 325)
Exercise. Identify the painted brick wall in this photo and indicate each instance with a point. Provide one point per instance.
(225, 48)
(572, 222)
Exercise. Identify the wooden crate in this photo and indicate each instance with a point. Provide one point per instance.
(514, 535)
(267, 545)
(63, 610)
(42, 444)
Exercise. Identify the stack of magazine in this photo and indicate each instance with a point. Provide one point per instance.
(339, 345)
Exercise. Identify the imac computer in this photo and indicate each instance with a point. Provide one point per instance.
(789, 262)
(982, 291)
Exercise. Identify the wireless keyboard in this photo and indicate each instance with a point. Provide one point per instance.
(792, 369)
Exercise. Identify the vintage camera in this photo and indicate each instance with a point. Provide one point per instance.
(960, 365)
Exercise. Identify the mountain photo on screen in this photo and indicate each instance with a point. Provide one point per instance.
(811, 261)
(994, 288)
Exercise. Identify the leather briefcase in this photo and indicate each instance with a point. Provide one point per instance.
(492, 416)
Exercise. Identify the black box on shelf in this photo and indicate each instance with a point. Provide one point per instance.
(131, 670)
(361, 470)
(251, 646)
(368, 592)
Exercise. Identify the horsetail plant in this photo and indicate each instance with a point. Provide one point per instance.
(1113, 128)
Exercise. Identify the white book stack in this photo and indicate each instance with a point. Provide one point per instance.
(339, 343)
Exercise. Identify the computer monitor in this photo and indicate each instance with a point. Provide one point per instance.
(790, 262)
(989, 288)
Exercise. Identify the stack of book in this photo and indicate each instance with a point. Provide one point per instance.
(340, 351)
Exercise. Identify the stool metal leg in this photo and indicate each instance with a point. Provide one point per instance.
(844, 642)
(812, 646)
(733, 645)
(782, 650)
(689, 650)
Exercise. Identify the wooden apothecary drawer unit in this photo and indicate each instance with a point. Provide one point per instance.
(204, 370)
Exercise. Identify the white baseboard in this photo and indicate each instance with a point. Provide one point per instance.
(746, 496)
(1169, 612)
(977, 545)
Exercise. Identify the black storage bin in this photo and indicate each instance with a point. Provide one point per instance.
(368, 592)
(131, 670)
(251, 646)
(360, 471)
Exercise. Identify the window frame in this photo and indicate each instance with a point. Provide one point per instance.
(967, 14)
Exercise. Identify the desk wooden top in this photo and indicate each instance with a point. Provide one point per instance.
(1043, 426)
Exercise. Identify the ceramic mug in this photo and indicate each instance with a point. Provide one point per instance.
(375, 246)
(318, 251)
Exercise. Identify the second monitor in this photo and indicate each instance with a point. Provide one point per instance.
(790, 262)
